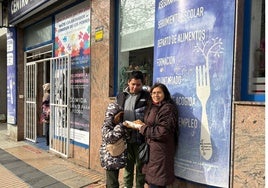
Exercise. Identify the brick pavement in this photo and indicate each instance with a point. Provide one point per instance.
(47, 165)
(8, 179)
(24, 165)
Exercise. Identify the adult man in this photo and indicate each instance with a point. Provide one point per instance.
(133, 100)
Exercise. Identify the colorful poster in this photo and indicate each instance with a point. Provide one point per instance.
(193, 56)
(11, 77)
(72, 36)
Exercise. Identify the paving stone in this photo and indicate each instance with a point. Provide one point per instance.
(53, 169)
(31, 166)
(63, 175)
(79, 181)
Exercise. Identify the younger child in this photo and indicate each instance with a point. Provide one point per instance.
(113, 153)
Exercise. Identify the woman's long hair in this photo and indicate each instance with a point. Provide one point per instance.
(168, 99)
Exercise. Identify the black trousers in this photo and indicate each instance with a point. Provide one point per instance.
(47, 133)
(156, 186)
(112, 179)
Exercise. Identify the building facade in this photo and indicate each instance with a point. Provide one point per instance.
(85, 50)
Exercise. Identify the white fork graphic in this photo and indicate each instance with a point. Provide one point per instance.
(203, 93)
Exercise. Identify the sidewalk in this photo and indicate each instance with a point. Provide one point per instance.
(24, 165)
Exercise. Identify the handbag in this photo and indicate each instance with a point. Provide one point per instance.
(144, 150)
(117, 148)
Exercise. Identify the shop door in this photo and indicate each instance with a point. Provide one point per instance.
(59, 78)
(59, 105)
(30, 119)
(36, 64)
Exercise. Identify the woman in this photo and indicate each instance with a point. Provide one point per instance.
(160, 129)
(46, 110)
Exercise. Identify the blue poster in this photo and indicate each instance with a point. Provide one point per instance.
(193, 56)
(11, 77)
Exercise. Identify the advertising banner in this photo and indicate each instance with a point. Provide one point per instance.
(11, 77)
(72, 36)
(193, 56)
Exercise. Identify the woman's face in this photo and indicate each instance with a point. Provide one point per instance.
(157, 95)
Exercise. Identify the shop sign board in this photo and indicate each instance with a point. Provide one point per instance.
(11, 76)
(193, 56)
(19, 8)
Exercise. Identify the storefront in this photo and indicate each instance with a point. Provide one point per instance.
(86, 49)
(50, 43)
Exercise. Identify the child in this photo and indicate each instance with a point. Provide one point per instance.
(113, 154)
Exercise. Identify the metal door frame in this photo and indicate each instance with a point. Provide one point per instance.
(60, 71)
(31, 60)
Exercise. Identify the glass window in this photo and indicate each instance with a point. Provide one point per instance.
(254, 51)
(135, 40)
(257, 43)
(38, 33)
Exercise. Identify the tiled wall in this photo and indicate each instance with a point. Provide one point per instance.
(249, 145)
(101, 74)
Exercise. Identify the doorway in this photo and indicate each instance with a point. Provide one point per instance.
(37, 73)
(41, 68)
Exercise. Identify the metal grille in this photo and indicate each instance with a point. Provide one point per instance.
(30, 102)
(59, 98)
(59, 105)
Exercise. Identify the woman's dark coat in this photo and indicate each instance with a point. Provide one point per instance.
(161, 124)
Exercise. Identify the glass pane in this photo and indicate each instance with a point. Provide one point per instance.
(137, 60)
(136, 40)
(257, 48)
(42, 33)
(137, 24)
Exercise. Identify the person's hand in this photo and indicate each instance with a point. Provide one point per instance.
(126, 124)
(118, 117)
(138, 121)
(133, 125)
